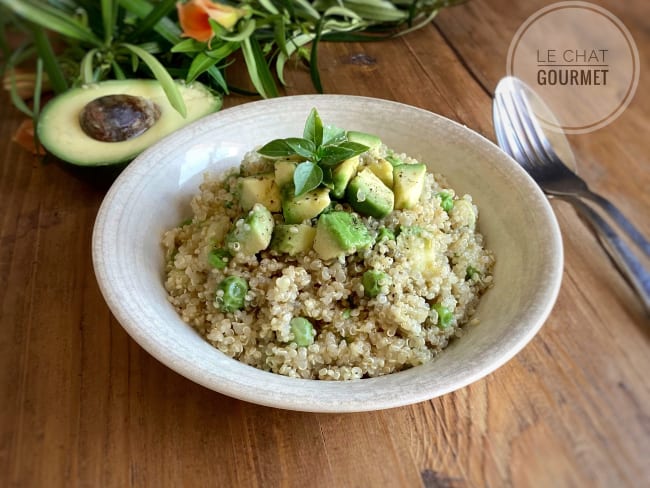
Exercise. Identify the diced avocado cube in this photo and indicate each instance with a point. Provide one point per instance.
(340, 233)
(259, 189)
(342, 174)
(408, 183)
(305, 207)
(463, 213)
(422, 249)
(293, 239)
(253, 233)
(369, 196)
(384, 170)
(284, 169)
(369, 140)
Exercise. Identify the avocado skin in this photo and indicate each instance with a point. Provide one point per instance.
(61, 134)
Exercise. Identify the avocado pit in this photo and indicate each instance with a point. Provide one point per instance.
(116, 118)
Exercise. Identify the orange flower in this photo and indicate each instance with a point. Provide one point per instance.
(194, 18)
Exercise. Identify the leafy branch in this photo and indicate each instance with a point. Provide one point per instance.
(91, 40)
(323, 147)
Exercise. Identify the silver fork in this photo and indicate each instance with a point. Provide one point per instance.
(520, 135)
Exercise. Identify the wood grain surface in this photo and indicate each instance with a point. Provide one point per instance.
(82, 405)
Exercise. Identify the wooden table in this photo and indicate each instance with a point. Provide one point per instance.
(82, 404)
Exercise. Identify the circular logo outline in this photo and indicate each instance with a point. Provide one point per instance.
(632, 87)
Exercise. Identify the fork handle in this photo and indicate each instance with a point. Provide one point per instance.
(620, 220)
(618, 250)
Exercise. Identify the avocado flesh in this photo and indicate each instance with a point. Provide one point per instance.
(370, 140)
(340, 234)
(253, 234)
(60, 132)
(383, 170)
(283, 172)
(342, 174)
(293, 239)
(368, 195)
(408, 183)
(298, 209)
(259, 189)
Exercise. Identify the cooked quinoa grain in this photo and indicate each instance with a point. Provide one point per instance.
(426, 283)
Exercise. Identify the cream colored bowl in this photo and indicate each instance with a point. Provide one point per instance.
(154, 192)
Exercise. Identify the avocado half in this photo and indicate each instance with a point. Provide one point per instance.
(61, 134)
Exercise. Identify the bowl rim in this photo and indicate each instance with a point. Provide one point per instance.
(545, 299)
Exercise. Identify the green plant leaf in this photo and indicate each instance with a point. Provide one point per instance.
(307, 177)
(161, 74)
(86, 66)
(333, 134)
(308, 8)
(301, 147)
(217, 76)
(18, 102)
(52, 19)
(313, 130)
(119, 73)
(108, 19)
(377, 10)
(162, 9)
(313, 57)
(188, 46)
(277, 148)
(50, 63)
(268, 5)
(200, 64)
(258, 70)
(167, 29)
(246, 30)
(292, 46)
(328, 177)
(331, 155)
(38, 88)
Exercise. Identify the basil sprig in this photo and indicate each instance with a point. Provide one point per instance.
(323, 147)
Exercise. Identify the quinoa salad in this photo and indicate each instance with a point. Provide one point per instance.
(328, 257)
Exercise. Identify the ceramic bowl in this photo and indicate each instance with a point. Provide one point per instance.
(154, 192)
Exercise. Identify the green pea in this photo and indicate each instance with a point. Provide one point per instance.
(470, 272)
(445, 316)
(234, 291)
(303, 331)
(385, 234)
(372, 281)
(185, 222)
(347, 313)
(446, 201)
(218, 258)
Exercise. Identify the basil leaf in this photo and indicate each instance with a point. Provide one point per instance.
(277, 148)
(333, 134)
(307, 176)
(313, 128)
(328, 178)
(333, 154)
(354, 146)
(302, 147)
